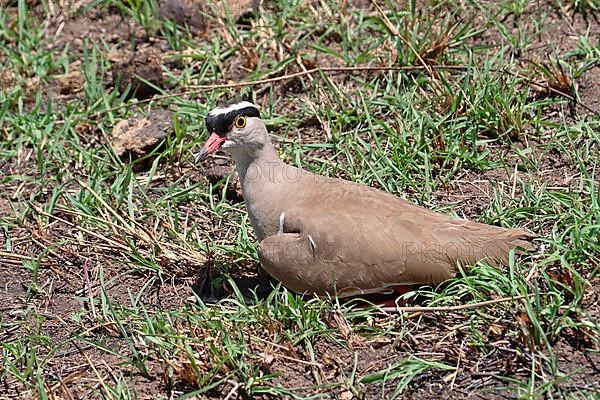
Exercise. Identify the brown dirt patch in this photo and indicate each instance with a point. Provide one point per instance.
(589, 90)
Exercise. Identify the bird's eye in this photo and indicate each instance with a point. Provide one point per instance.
(240, 122)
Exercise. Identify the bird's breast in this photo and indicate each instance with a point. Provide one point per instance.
(264, 211)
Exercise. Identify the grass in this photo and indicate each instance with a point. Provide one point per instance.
(99, 259)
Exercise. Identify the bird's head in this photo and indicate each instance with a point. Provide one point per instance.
(234, 128)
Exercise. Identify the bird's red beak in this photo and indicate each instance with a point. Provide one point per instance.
(213, 144)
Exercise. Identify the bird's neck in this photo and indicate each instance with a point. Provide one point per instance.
(256, 163)
(260, 173)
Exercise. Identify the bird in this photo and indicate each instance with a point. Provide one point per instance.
(327, 236)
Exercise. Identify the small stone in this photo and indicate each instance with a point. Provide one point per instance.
(72, 81)
(136, 136)
(193, 13)
(346, 395)
(140, 70)
(185, 12)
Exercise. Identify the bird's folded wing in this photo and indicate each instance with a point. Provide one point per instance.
(333, 251)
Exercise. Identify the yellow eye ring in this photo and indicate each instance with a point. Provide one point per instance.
(240, 121)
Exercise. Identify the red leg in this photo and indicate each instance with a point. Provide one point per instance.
(402, 289)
